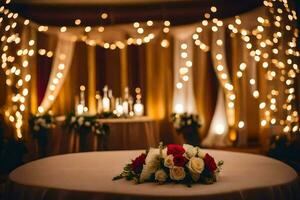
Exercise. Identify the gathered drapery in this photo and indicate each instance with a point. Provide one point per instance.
(155, 69)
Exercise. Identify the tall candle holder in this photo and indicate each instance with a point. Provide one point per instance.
(105, 100)
(125, 102)
(98, 102)
(112, 100)
(138, 106)
(82, 95)
(80, 107)
(130, 102)
(119, 107)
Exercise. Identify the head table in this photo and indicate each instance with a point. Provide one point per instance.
(124, 133)
(89, 176)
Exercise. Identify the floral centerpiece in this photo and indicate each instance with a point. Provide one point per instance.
(184, 164)
(188, 125)
(40, 123)
(40, 126)
(85, 125)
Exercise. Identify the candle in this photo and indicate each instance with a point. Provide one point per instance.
(119, 107)
(105, 100)
(105, 104)
(112, 100)
(138, 106)
(98, 102)
(138, 109)
(125, 102)
(80, 109)
(76, 104)
(125, 107)
(82, 97)
(130, 102)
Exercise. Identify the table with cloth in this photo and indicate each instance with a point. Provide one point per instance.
(124, 134)
(89, 176)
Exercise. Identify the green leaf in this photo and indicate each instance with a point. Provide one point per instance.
(118, 177)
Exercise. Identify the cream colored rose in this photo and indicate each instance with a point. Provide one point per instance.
(161, 176)
(200, 153)
(190, 151)
(80, 121)
(164, 152)
(177, 173)
(195, 165)
(168, 162)
(36, 128)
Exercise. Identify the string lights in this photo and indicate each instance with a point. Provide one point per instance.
(16, 67)
(272, 44)
(276, 52)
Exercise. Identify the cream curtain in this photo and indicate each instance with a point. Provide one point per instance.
(183, 95)
(60, 69)
(218, 131)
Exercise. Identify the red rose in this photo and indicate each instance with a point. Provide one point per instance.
(179, 160)
(137, 164)
(175, 149)
(210, 163)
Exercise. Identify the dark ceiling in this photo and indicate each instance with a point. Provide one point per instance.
(180, 12)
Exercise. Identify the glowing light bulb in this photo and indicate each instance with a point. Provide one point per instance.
(220, 129)
(179, 108)
(179, 85)
(263, 122)
(241, 124)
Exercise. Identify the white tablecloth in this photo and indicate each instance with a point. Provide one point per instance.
(89, 176)
(124, 134)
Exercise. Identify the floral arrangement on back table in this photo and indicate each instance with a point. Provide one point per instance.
(184, 164)
(185, 120)
(187, 125)
(87, 123)
(40, 123)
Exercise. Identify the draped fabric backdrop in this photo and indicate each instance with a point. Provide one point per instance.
(154, 69)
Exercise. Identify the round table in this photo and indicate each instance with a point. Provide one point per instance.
(89, 176)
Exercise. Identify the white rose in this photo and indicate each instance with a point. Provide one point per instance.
(177, 173)
(161, 176)
(80, 121)
(201, 153)
(36, 128)
(195, 166)
(190, 151)
(168, 162)
(73, 119)
(39, 120)
(45, 126)
(43, 122)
